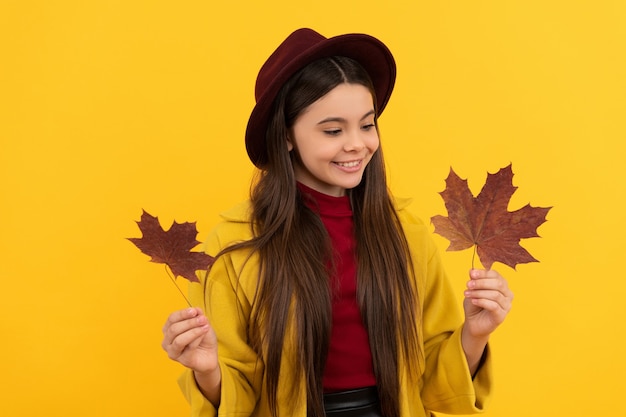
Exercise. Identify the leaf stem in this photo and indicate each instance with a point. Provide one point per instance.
(473, 256)
(176, 285)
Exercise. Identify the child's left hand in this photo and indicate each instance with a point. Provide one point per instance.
(487, 302)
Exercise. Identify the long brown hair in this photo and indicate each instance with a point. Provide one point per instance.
(294, 252)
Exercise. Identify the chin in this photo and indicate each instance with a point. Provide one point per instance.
(350, 185)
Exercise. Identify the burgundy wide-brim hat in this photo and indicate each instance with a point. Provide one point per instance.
(301, 48)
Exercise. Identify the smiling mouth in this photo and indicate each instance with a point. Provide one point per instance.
(350, 164)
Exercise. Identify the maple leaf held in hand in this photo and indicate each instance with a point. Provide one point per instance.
(172, 247)
(485, 221)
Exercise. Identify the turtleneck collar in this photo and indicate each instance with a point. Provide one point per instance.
(324, 204)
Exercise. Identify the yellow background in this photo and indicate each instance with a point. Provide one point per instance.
(108, 107)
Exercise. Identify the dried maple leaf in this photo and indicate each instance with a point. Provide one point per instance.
(172, 247)
(485, 221)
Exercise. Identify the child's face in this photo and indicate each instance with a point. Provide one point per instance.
(335, 138)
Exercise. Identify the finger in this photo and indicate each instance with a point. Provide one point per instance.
(484, 273)
(173, 330)
(497, 297)
(486, 304)
(190, 338)
(490, 284)
(181, 315)
(480, 279)
(496, 313)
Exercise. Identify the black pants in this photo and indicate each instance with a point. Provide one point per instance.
(361, 402)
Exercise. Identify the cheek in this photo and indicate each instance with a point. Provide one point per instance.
(373, 143)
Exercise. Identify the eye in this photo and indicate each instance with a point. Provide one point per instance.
(368, 127)
(332, 132)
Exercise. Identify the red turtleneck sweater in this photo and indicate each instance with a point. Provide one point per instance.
(349, 363)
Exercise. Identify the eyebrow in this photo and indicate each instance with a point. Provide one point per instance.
(342, 120)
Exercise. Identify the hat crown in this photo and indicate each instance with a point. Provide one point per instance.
(294, 45)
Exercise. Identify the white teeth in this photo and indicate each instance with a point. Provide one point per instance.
(348, 164)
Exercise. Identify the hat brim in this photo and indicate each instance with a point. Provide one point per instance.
(368, 51)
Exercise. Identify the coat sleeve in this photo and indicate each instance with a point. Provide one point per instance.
(226, 299)
(447, 385)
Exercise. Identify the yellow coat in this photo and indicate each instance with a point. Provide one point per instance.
(445, 385)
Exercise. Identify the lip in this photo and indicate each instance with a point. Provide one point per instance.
(349, 166)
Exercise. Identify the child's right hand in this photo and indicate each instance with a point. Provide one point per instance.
(188, 338)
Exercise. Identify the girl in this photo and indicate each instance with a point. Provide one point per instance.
(327, 298)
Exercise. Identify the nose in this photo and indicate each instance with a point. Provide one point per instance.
(354, 141)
